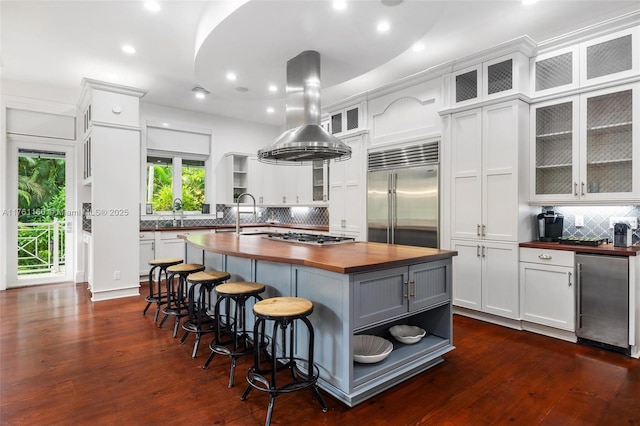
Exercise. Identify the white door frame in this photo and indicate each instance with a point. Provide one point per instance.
(72, 217)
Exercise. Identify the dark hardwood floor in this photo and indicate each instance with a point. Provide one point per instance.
(67, 361)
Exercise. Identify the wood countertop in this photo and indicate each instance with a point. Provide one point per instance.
(344, 258)
(607, 249)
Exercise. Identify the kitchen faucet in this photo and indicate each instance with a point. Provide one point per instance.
(177, 206)
(238, 211)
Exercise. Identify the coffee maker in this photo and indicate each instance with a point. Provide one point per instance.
(622, 234)
(550, 226)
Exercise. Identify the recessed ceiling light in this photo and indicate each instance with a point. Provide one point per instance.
(200, 92)
(339, 4)
(273, 88)
(128, 49)
(383, 26)
(165, 124)
(529, 1)
(270, 110)
(231, 76)
(417, 47)
(153, 6)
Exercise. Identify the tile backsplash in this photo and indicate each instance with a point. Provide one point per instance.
(596, 220)
(314, 216)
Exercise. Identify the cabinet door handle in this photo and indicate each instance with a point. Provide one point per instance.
(569, 277)
(483, 251)
(412, 289)
(406, 289)
(575, 188)
(478, 250)
(478, 230)
(582, 190)
(545, 256)
(483, 232)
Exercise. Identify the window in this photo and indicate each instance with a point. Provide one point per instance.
(169, 178)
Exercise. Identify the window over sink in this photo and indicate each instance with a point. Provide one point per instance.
(169, 178)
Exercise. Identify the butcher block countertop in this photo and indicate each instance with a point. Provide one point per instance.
(601, 249)
(343, 258)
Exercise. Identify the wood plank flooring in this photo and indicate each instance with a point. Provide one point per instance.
(67, 361)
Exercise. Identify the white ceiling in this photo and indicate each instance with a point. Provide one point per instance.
(188, 43)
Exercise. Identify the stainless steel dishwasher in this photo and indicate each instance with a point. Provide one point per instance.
(603, 301)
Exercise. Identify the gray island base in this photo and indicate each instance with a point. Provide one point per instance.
(406, 285)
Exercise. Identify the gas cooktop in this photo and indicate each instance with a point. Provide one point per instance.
(583, 241)
(298, 237)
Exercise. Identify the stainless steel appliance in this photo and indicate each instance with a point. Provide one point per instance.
(402, 196)
(300, 237)
(550, 226)
(622, 235)
(603, 301)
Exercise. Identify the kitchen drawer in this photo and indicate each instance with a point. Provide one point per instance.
(147, 235)
(549, 257)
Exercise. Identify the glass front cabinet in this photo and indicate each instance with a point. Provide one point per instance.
(583, 147)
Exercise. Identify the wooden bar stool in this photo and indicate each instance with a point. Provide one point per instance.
(239, 293)
(199, 320)
(283, 311)
(177, 292)
(156, 294)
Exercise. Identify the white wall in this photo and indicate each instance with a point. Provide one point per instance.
(227, 135)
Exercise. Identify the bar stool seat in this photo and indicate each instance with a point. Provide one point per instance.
(177, 302)
(284, 312)
(239, 293)
(156, 293)
(199, 320)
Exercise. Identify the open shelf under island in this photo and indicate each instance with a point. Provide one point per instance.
(356, 288)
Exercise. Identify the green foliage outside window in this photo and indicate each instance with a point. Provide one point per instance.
(192, 188)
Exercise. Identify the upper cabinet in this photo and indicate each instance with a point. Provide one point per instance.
(491, 79)
(600, 60)
(585, 148)
(345, 121)
(347, 191)
(234, 177)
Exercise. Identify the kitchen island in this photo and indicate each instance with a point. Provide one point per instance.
(356, 288)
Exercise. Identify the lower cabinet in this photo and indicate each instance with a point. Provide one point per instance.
(391, 292)
(486, 277)
(547, 285)
(147, 252)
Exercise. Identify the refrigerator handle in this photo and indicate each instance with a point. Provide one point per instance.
(394, 207)
(390, 203)
(578, 296)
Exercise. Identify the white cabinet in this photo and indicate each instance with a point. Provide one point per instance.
(487, 146)
(489, 214)
(344, 121)
(585, 148)
(279, 184)
(491, 79)
(547, 290)
(292, 184)
(320, 181)
(232, 177)
(486, 277)
(599, 60)
(147, 252)
(346, 200)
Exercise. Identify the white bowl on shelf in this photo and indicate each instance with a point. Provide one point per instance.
(368, 348)
(407, 334)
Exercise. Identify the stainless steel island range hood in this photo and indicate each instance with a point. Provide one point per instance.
(305, 140)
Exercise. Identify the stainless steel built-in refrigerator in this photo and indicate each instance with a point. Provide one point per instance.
(402, 196)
